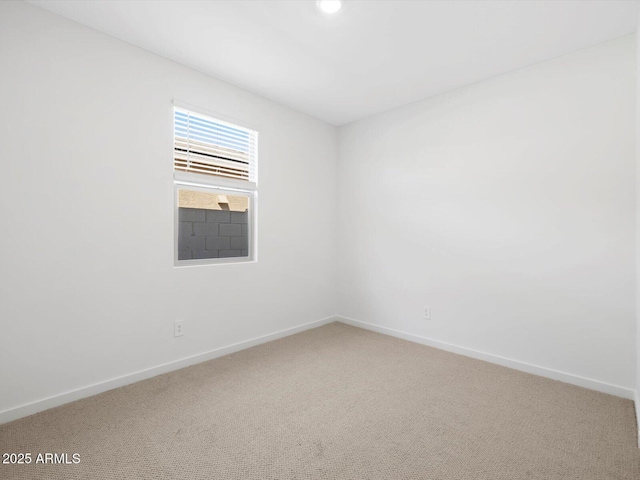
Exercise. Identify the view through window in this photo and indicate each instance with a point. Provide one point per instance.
(215, 166)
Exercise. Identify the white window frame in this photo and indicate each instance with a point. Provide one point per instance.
(217, 185)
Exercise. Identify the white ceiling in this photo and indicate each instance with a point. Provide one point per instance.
(370, 57)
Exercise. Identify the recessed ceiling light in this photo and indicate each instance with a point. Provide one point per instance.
(329, 6)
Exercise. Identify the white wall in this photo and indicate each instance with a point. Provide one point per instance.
(508, 207)
(637, 393)
(77, 305)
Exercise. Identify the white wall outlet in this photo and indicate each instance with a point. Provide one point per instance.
(178, 328)
(427, 313)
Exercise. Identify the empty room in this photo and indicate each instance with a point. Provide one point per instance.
(319, 239)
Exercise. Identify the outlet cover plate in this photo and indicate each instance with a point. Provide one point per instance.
(178, 328)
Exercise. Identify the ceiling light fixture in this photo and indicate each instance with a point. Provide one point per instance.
(329, 6)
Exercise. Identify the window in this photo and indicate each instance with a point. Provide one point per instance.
(215, 167)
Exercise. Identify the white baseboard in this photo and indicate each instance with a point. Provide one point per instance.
(90, 390)
(637, 395)
(505, 362)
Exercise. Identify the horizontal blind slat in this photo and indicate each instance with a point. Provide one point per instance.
(200, 122)
(212, 171)
(211, 161)
(207, 137)
(205, 146)
(213, 154)
(208, 149)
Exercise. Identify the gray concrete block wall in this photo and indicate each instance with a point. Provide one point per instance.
(212, 234)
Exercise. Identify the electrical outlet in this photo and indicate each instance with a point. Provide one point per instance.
(427, 313)
(178, 328)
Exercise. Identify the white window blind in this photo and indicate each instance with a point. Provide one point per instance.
(207, 146)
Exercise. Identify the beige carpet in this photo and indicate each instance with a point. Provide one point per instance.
(336, 402)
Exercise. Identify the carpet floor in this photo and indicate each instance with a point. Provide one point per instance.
(336, 402)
